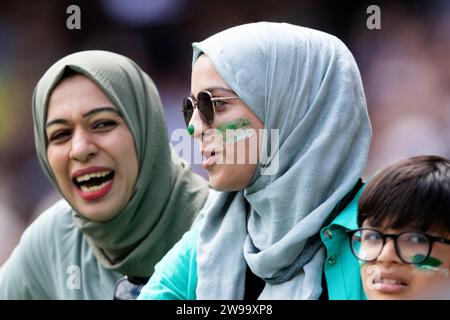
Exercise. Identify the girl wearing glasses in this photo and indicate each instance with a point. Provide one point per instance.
(101, 138)
(404, 242)
(261, 235)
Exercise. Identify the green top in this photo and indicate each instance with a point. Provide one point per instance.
(175, 275)
(341, 267)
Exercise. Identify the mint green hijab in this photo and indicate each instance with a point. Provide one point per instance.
(167, 195)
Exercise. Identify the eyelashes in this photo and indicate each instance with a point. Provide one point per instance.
(219, 105)
(102, 124)
(62, 135)
(58, 135)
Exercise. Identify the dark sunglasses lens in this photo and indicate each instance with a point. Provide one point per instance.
(205, 107)
(188, 110)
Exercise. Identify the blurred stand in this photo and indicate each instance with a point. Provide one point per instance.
(11, 223)
(406, 76)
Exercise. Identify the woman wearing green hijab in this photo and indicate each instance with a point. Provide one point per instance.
(101, 137)
(277, 227)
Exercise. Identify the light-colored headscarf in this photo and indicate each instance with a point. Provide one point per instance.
(167, 196)
(306, 84)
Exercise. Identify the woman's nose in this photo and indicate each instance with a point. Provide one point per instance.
(388, 254)
(197, 124)
(83, 147)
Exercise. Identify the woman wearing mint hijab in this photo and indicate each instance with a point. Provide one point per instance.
(101, 137)
(262, 234)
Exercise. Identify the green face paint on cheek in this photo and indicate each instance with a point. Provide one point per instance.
(430, 267)
(233, 125)
(235, 130)
(429, 262)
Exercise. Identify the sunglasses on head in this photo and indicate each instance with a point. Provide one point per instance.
(206, 105)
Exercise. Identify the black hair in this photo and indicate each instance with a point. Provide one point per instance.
(414, 192)
(67, 73)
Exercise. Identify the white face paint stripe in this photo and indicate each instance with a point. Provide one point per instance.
(430, 271)
(233, 136)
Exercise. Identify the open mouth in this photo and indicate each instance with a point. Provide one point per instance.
(95, 181)
(390, 281)
(212, 154)
(208, 154)
(209, 159)
(389, 284)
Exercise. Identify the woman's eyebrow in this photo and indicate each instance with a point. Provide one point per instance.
(101, 109)
(56, 121)
(86, 115)
(218, 90)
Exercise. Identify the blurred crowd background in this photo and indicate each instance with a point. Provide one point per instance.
(405, 68)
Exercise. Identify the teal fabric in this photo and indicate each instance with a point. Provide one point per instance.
(341, 267)
(305, 84)
(175, 276)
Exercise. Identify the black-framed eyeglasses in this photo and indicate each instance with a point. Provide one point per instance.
(412, 247)
(128, 288)
(206, 105)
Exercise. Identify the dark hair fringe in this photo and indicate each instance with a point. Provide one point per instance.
(411, 193)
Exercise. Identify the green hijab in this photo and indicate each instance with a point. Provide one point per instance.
(167, 194)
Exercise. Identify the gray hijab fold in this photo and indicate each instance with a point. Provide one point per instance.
(167, 194)
(306, 84)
